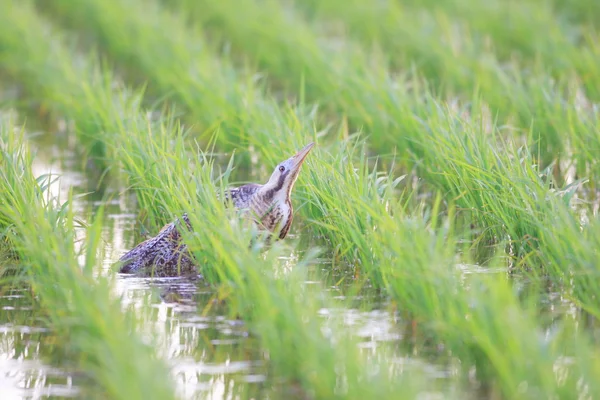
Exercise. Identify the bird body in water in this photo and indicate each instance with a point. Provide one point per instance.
(268, 205)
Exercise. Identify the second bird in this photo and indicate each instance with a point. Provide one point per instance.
(269, 205)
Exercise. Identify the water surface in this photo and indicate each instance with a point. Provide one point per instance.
(211, 355)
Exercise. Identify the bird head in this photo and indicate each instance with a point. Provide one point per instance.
(285, 174)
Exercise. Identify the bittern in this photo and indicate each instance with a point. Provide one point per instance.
(269, 205)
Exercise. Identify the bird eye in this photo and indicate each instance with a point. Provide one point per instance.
(281, 168)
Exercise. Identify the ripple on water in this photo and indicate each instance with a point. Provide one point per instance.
(371, 326)
(210, 354)
(27, 361)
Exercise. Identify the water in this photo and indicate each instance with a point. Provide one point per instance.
(26, 349)
(208, 351)
(211, 355)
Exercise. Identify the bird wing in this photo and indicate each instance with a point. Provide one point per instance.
(240, 196)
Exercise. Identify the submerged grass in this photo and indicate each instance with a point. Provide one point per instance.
(78, 305)
(400, 235)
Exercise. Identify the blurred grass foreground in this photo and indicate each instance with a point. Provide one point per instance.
(446, 237)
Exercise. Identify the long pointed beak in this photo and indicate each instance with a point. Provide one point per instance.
(301, 155)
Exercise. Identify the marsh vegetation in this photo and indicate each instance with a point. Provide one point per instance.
(446, 233)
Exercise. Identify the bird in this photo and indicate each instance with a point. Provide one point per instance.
(268, 205)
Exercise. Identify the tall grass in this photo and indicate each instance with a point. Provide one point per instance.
(410, 255)
(501, 192)
(404, 245)
(502, 189)
(360, 83)
(283, 312)
(274, 302)
(77, 304)
(489, 30)
(392, 108)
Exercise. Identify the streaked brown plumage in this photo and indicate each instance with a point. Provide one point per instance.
(268, 205)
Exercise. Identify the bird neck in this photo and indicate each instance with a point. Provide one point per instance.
(274, 195)
(270, 204)
(272, 212)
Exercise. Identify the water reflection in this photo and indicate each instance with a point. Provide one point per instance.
(31, 364)
(26, 352)
(372, 326)
(208, 352)
(211, 355)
